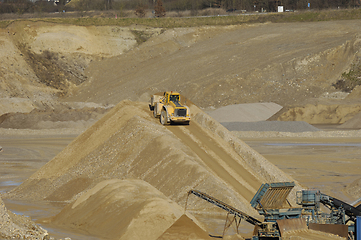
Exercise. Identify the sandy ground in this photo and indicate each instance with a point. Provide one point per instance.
(335, 162)
(69, 86)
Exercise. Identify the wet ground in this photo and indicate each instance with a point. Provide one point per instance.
(20, 158)
(327, 164)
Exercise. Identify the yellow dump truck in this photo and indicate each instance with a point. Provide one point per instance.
(169, 108)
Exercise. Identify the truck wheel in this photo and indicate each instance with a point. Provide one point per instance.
(163, 118)
(155, 111)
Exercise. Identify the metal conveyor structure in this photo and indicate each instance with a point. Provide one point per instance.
(224, 206)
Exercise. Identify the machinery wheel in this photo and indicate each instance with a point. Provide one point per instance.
(163, 118)
(155, 111)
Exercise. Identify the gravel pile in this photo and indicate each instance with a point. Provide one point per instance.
(247, 112)
(274, 126)
(14, 226)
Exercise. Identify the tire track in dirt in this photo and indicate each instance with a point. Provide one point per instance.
(220, 161)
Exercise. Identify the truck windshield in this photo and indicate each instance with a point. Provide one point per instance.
(174, 98)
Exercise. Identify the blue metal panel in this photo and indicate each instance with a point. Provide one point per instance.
(310, 197)
(272, 192)
(271, 215)
(358, 228)
(256, 198)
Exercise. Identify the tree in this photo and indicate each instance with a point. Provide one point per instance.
(159, 10)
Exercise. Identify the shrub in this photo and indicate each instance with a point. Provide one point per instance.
(159, 10)
(140, 11)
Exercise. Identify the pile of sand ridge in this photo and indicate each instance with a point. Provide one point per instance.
(129, 143)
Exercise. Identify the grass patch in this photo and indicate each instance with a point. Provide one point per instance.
(172, 22)
(140, 36)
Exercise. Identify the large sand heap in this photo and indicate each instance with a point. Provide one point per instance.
(128, 143)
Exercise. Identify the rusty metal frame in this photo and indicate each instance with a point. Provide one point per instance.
(234, 219)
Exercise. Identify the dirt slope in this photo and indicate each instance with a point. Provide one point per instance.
(218, 66)
(42, 61)
(289, 64)
(352, 123)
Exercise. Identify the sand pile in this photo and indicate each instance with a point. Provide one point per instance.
(125, 209)
(184, 228)
(310, 235)
(353, 123)
(128, 143)
(321, 113)
(14, 226)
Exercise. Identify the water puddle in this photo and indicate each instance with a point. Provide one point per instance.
(8, 184)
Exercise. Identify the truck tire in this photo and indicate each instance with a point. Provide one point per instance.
(163, 118)
(155, 111)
